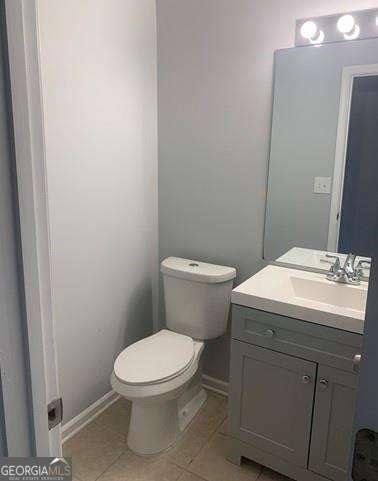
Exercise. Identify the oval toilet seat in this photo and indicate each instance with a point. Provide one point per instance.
(155, 359)
(164, 389)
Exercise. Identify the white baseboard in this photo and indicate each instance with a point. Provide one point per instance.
(85, 417)
(216, 385)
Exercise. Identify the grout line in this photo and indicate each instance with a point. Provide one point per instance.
(111, 464)
(209, 440)
(185, 471)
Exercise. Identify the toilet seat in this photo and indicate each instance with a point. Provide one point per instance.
(155, 359)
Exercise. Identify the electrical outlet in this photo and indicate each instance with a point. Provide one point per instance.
(322, 185)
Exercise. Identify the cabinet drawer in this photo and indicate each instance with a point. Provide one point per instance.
(303, 339)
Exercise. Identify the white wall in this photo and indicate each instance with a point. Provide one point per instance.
(215, 99)
(98, 62)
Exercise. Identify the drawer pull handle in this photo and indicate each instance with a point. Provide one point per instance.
(323, 383)
(306, 379)
(269, 333)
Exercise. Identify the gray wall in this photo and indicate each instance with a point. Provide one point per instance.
(307, 85)
(98, 62)
(215, 97)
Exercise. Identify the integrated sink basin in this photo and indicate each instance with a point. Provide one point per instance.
(305, 295)
(328, 293)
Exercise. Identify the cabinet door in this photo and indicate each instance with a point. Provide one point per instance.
(271, 401)
(333, 422)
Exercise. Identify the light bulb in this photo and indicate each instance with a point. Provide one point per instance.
(309, 29)
(354, 34)
(319, 39)
(346, 24)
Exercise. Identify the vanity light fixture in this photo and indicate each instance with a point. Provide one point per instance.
(341, 27)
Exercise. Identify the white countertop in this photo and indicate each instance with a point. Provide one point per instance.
(304, 295)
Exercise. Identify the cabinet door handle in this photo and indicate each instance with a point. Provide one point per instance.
(356, 362)
(306, 379)
(323, 384)
(269, 333)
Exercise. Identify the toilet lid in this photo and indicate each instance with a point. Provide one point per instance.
(156, 358)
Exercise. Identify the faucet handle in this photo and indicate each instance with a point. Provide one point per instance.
(349, 261)
(361, 263)
(336, 266)
(360, 267)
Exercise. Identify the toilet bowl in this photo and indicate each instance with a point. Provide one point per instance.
(166, 393)
(161, 374)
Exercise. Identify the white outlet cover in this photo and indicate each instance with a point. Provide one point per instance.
(322, 185)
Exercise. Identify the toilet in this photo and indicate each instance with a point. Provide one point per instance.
(161, 374)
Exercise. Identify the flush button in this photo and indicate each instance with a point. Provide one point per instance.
(193, 264)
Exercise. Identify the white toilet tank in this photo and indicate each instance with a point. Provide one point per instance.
(197, 297)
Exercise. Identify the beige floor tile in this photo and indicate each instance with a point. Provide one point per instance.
(212, 464)
(116, 416)
(93, 450)
(130, 467)
(190, 477)
(187, 449)
(212, 415)
(199, 432)
(268, 475)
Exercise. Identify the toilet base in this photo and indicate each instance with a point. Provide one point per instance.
(187, 412)
(160, 412)
(156, 427)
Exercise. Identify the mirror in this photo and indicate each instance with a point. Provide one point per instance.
(323, 170)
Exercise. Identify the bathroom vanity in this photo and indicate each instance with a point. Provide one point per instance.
(296, 340)
(297, 335)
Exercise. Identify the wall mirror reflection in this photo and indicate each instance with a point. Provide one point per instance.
(323, 170)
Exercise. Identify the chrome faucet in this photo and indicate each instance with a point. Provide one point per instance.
(348, 273)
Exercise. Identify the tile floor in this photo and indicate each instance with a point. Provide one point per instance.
(99, 451)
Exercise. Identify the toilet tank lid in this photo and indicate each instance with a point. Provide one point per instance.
(196, 270)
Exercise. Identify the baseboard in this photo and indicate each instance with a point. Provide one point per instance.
(216, 385)
(85, 417)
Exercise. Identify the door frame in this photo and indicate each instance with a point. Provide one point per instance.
(23, 47)
(347, 79)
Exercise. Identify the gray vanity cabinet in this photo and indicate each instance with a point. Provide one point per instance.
(333, 422)
(275, 393)
(292, 394)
